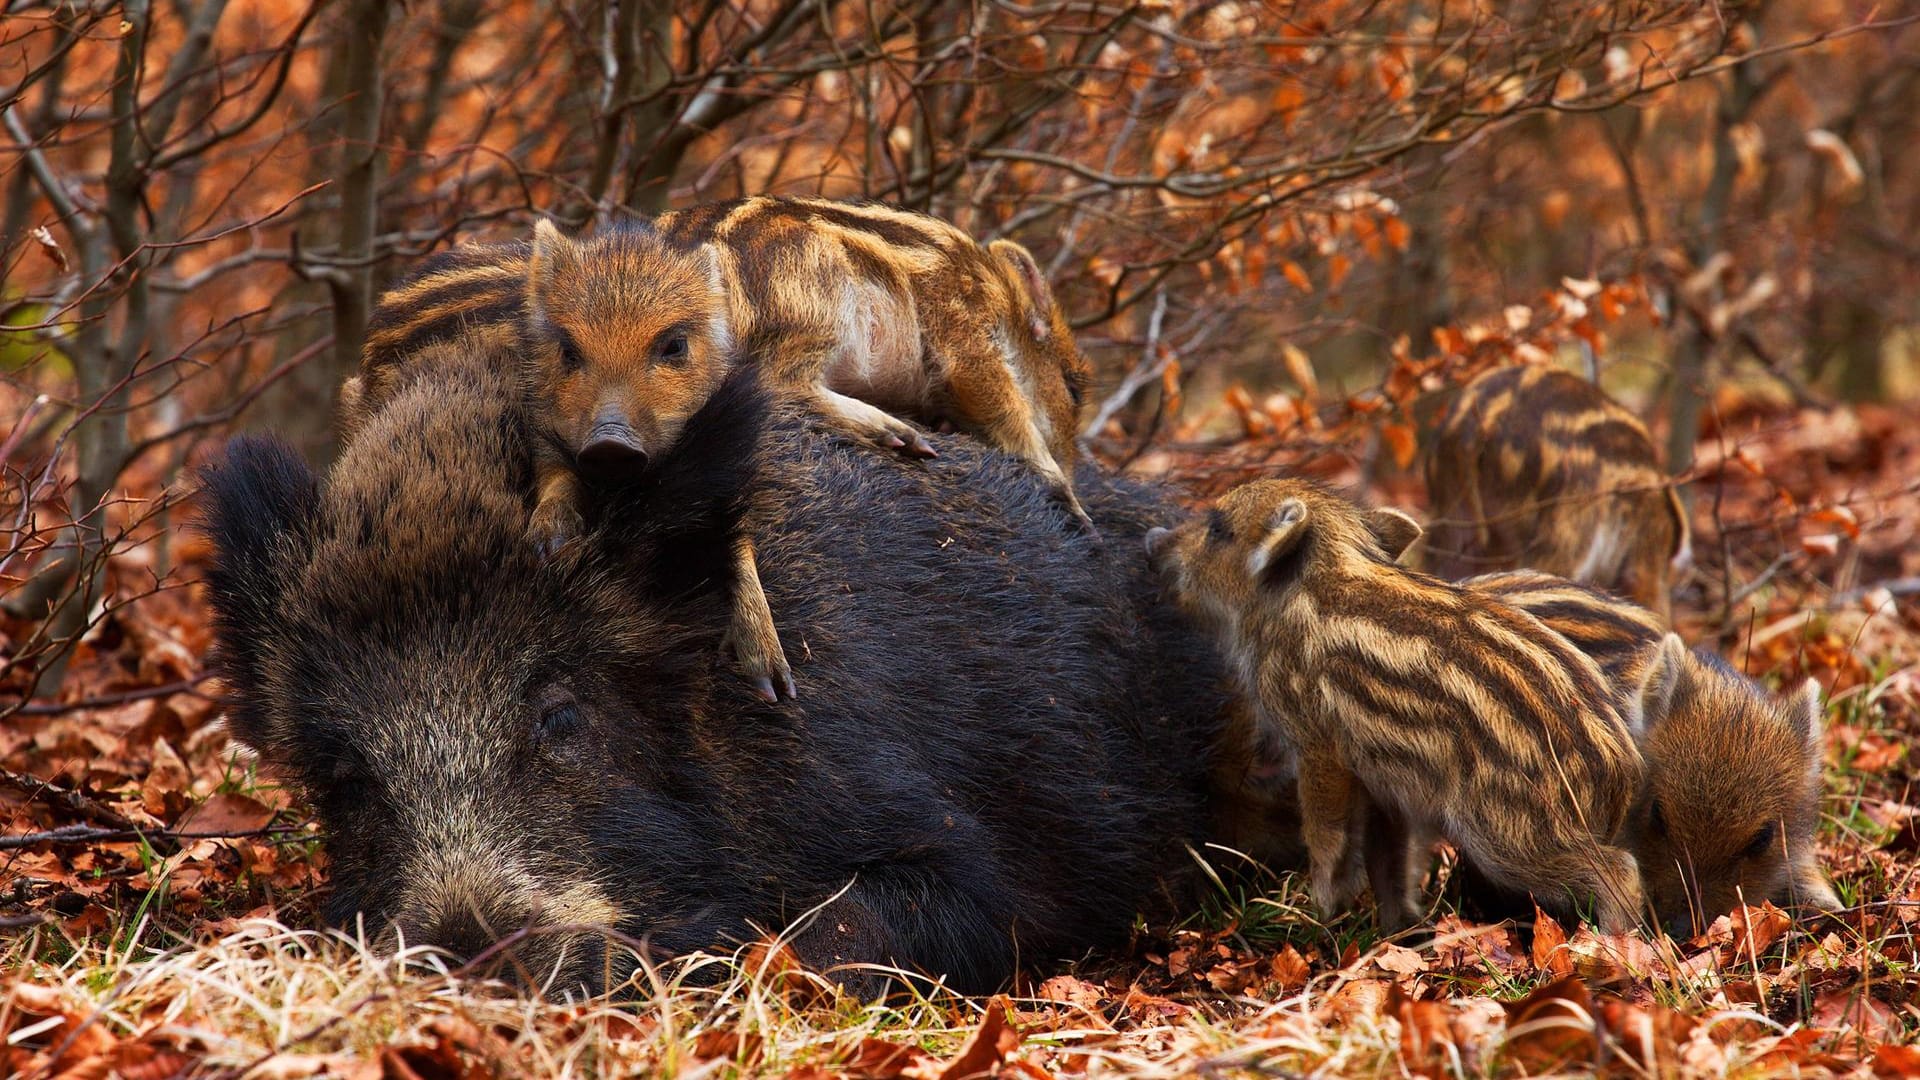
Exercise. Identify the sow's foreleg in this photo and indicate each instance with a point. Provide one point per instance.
(932, 906)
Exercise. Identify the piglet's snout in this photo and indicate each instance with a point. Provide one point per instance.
(613, 445)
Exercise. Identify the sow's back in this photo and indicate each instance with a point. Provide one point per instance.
(1002, 746)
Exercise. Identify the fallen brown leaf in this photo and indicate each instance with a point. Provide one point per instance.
(1896, 1061)
(1070, 990)
(878, 1059)
(1289, 969)
(1149, 1009)
(225, 814)
(1648, 1036)
(1353, 1000)
(728, 1044)
(1399, 960)
(1426, 1033)
(1755, 929)
(1549, 946)
(987, 1047)
(1552, 1029)
(1853, 1011)
(1612, 958)
(440, 1061)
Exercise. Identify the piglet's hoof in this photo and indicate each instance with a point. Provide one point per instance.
(768, 690)
(1082, 523)
(549, 533)
(909, 441)
(765, 670)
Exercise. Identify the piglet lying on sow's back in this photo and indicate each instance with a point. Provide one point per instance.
(1003, 755)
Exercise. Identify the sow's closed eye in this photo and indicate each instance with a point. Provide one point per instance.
(558, 714)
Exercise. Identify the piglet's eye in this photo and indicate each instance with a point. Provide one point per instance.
(1217, 528)
(673, 348)
(1657, 820)
(571, 358)
(1762, 840)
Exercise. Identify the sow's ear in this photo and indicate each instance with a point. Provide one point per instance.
(1658, 685)
(1286, 527)
(1394, 530)
(1027, 272)
(259, 504)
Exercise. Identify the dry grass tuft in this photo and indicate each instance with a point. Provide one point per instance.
(266, 1000)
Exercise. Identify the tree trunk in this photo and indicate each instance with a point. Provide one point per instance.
(361, 163)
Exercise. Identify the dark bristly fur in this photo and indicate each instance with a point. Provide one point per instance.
(862, 310)
(1535, 467)
(1000, 754)
(1732, 794)
(1414, 706)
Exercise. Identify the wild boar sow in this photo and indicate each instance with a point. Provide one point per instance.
(1003, 748)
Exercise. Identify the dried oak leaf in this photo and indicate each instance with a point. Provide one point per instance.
(878, 1059)
(1289, 969)
(1896, 1061)
(1612, 958)
(1353, 1000)
(1850, 1009)
(440, 1061)
(1552, 1029)
(1549, 946)
(1399, 960)
(984, 1050)
(1149, 1009)
(1075, 993)
(729, 1044)
(228, 813)
(1426, 1033)
(1755, 929)
(1651, 1037)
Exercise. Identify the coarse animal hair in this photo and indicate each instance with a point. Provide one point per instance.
(1536, 467)
(861, 310)
(1731, 800)
(1414, 706)
(1000, 758)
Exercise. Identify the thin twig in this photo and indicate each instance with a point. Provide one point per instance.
(61, 708)
(62, 798)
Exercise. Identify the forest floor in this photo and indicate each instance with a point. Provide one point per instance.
(158, 897)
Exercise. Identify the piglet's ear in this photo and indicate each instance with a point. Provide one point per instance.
(1682, 556)
(1039, 297)
(1286, 528)
(550, 252)
(1658, 684)
(1808, 717)
(709, 257)
(1394, 530)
